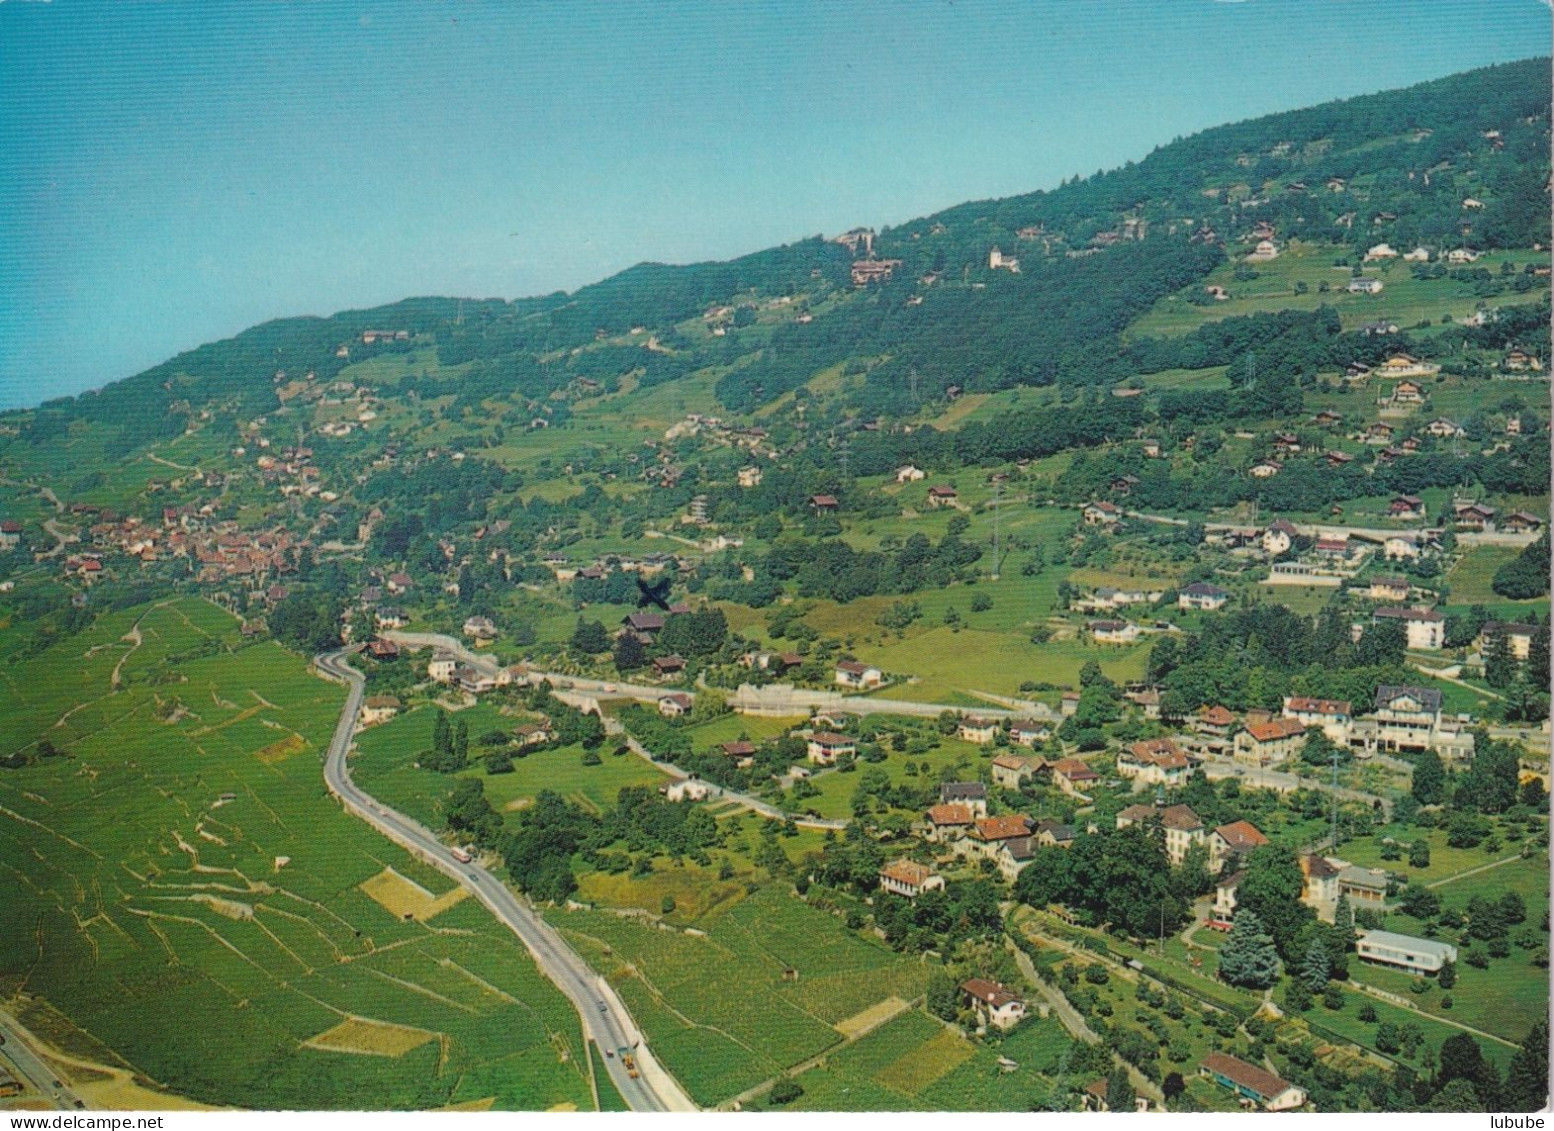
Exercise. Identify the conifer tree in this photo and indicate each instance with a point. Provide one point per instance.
(1249, 957)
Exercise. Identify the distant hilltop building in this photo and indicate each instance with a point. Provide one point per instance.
(371, 336)
(998, 261)
(858, 237)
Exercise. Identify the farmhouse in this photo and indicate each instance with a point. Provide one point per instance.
(1520, 522)
(473, 680)
(1365, 286)
(441, 667)
(908, 878)
(1269, 743)
(851, 673)
(1406, 506)
(994, 1004)
(1201, 595)
(1418, 956)
(909, 474)
(1406, 365)
(379, 709)
(665, 666)
(824, 503)
(825, 747)
(532, 734)
(1426, 628)
(1251, 1082)
(1265, 469)
(686, 789)
(941, 496)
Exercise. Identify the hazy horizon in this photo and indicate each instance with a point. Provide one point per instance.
(178, 175)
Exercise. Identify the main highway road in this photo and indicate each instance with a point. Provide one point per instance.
(605, 1019)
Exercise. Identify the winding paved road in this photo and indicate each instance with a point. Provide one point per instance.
(605, 1018)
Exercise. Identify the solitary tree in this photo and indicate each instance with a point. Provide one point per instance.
(1249, 957)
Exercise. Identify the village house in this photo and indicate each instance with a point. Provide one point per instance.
(1520, 522)
(645, 625)
(1265, 469)
(909, 474)
(1025, 732)
(673, 705)
(1101, 514)
(441, 667)
(995, 1006)
(824, 504)
(948, 822)
(1406, 365)
(379, 709)
(825, 747)
(387, 616)
(1365, 286)
(1319, 884)
(384, 651)
(851, 673)
(1279, 537)
(1406, 507)
(1011, 771)
(1332, 715)
(480, 628)
(399, 583)
(971, 728)
(1155, 761)
(1519, 360)
(1518, 637)
(1389, 588)
(1096, 1092)
(1232, 842)
(1417, 956)
(1255, 1085)
(1068, 703)
(1215, 725)
(1073, 777)
(750, 476)
(941, 496)
(1201, 595)
(1053, 834)
(1474, 516)
(1406, 718)
(666, 666)
(1444, 429)
(473, 680)
(909, 879)
(1112, 631)
(1183, 827)
(971, 794)
(1269, 743)
(10, 534)
(1425, 628)
(1223, 913)
(532, 734)
(1399, 548)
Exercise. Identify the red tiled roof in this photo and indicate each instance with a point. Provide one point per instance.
(988, 992)
(831, 738)
(1217, 715)
(1003, 828)
(1274, 729)
(1249, 1076)
(907, 872)
(1242, 836)
(1318, 706)
(950, 814)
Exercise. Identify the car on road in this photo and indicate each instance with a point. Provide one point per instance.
(603, 1008)
(474, 878)
(611, 688)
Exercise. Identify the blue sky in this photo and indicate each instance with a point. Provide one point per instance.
(173, 172)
